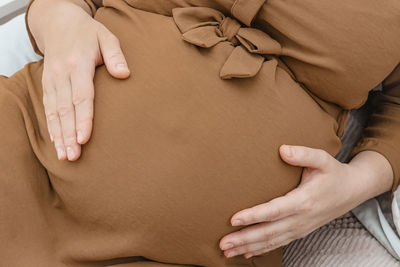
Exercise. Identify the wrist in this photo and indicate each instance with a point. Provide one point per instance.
(372, 174)
(42, 14)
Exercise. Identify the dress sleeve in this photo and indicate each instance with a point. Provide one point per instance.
(382, 133)
(93, 5)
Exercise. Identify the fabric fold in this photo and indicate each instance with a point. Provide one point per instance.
(206, 27)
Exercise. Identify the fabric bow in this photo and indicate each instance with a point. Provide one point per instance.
(206, 27)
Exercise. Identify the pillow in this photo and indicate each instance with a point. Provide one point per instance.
(15, 47)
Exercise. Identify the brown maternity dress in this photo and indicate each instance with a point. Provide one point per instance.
(193, 135)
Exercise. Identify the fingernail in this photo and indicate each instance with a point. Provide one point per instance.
(60, 153)
(227, 246)
(237, 222)
(247, 256)
(70, 153)
(288, 151)
(51, 138)
(121, 66)
(80, 137)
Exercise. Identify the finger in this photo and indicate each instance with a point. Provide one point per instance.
(82, 99)
(273, 210)
(66, 113)
(306, 157)
(48, 128)
(259, 247)
(54, 126)
(282, 241)
(112, 54)
(253, 234)
(47, 120)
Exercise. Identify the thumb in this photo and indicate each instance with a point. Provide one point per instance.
(112, 54)
(306, 157)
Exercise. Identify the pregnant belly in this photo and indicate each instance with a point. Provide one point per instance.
(176, 150)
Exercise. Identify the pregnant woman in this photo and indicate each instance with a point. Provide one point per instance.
(186, 162)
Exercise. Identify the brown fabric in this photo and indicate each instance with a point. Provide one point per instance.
(176, 150)
(245, 11)
(92, 4)
(383, 131)
(206, 27)
(326, 45)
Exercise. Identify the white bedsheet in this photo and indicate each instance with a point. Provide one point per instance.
(15, 47)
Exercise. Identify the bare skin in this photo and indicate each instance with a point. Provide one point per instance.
(328, 188)
(72, 48)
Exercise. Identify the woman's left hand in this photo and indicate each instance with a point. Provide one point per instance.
(328, 189)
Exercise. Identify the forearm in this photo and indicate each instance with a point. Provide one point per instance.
(372, 173)
(382, 133)
(42, 13)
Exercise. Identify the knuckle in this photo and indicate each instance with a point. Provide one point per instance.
(299, 152)
(83, 122)
(275, 213)
(78, 100)
(64, 110)
(71, 62)
(57, 70)
(101, 28)
(251, 217)
(306, 203)
(325, 157)
(240, 241)
(69, 139)
(242, 249)
(271, 245)
(52, 115)
(58, 142)
(92, 57)
(268, 234)
(112, 38)
(245, 248)
(108, 36)
(115, 56)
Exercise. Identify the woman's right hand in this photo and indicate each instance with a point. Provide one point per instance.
(73, 44)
